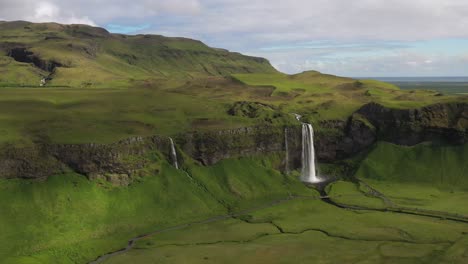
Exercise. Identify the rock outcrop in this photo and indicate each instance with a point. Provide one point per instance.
(438, 123)
(338, 139)
(21, 54)
(112, 161)
(446, 122)
(210, 147)
(28, 162)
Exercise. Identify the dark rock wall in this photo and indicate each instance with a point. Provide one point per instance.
(211, 147)
(21, 54)
(448, 122)
(28, 162)
(338, 139)
(92, 160)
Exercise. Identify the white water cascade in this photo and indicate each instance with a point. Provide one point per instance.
(309, 173)
(174, 154)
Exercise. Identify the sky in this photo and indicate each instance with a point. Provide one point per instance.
(344, 37)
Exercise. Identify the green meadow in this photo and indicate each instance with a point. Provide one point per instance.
(104, 115)
(69, 219)
(387, 220)
(305, 231)
(332, 97)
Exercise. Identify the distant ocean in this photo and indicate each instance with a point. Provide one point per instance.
(446, 85)
(419, 79)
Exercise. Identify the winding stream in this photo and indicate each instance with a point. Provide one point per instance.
(131, 242)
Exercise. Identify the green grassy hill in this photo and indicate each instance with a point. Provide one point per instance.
(85, 56)
(443, 166)
(425, 176)
(334, 97)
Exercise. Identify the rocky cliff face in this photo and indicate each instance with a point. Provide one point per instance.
(335, 140)
(441, 122)
(28, 162)
(338, 139)
(123, 159)
(448, 122)
(211, 147)
(118, 160)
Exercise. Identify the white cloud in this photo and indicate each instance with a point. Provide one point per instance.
(267, 20)
(50, 12)
(254, 26)
(46, 11)
(276, 20)
(94, 12)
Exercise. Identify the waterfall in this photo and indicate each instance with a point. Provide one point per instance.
(286, 146)
(308, 154)
(174, 154)
(298, 117)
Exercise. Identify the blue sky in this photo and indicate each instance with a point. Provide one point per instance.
(343, 37)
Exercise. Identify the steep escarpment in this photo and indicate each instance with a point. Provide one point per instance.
(28, 162)
(211, 147)
(335, 140)
(120, 160)
(448, 122)
(373, 122)
(124, 159)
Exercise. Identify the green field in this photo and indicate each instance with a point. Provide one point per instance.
(332, 97)
(80, 115)
(104, 115)
(69, 219)
(305, 231)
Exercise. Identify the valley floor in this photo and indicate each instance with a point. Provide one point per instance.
(305, 230)
(245, 211)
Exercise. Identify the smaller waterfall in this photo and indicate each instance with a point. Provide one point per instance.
(174, 154)
(286, 146)
(298, 117)
(309, 173)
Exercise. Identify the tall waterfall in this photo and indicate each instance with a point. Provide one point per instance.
(174, 154)
(309, 173)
